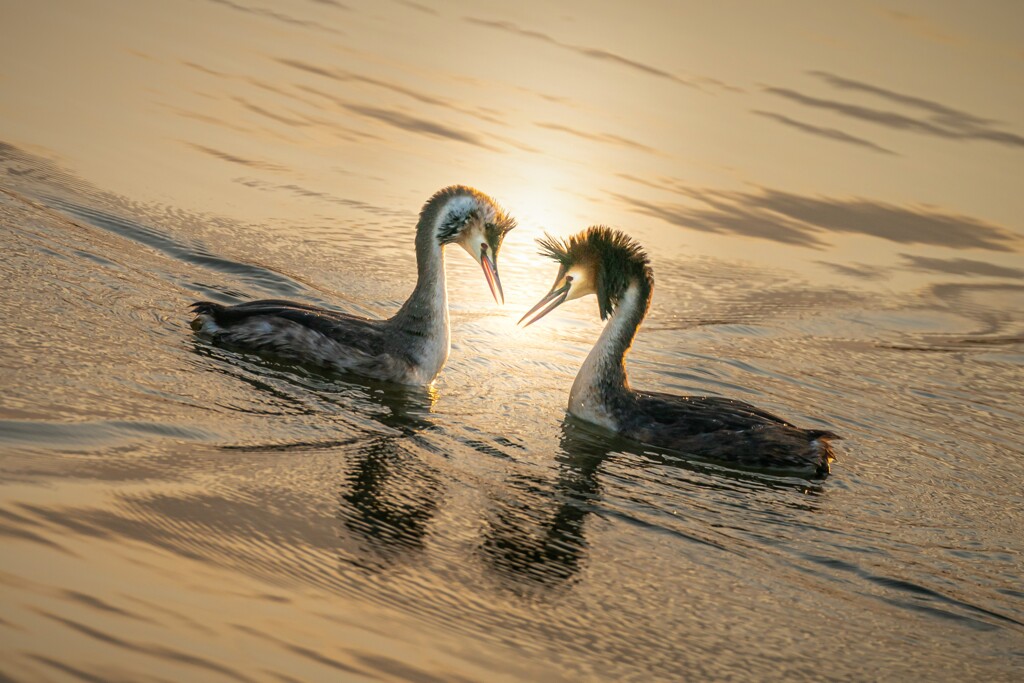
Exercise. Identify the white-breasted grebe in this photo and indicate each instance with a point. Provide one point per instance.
(412, 346)
(613, 266)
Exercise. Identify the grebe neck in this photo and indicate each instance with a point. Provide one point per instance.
(425, 312)
(603, 373)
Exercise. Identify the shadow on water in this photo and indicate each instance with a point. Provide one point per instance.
(390, 494)
(154, 227)
(536, 532)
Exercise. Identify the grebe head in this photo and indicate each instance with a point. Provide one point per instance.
(598, 260)
(467, 217)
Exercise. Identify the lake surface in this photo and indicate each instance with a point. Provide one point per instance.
(835, 235)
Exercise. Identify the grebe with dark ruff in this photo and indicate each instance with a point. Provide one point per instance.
(613, 266)
(412, 346)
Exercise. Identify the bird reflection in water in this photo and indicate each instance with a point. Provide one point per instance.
(536, 532)
(390, 494)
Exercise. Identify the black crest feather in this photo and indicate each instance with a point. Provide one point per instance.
(616, 257)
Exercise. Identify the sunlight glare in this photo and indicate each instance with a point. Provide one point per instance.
(539, 207)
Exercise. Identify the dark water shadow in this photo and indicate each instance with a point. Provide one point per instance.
(390, 493)
(536, 531)
(290, 386)
(151, 226)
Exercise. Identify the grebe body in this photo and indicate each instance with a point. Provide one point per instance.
(412, 346)
(612, 266)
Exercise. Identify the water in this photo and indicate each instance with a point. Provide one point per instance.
(172, 511)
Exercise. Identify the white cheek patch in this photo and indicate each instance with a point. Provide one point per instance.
(582, 283)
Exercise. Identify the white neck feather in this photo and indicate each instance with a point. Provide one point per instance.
(604, 368)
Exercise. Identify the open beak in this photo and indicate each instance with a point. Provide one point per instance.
(491, 273)
(553, 299)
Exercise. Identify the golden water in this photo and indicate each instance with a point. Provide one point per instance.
(173, 511)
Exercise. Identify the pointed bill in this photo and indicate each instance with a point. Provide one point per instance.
(490, 269)
(553, 299)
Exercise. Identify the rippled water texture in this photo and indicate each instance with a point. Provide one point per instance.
(830, 245)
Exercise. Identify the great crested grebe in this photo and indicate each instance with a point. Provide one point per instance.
(412, 346)
(613, 266)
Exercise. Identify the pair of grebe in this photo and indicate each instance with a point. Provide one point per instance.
(412, 346)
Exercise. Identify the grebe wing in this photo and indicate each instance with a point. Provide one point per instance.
(702, 414)
(745, 411)
(359, 334)
(269, 303)
(725, 429)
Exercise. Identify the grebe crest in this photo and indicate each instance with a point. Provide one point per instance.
(601, 261)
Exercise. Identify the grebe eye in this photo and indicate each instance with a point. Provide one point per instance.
(483, 247)
(568, 278)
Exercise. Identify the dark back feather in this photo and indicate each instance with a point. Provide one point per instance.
(359, 333)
